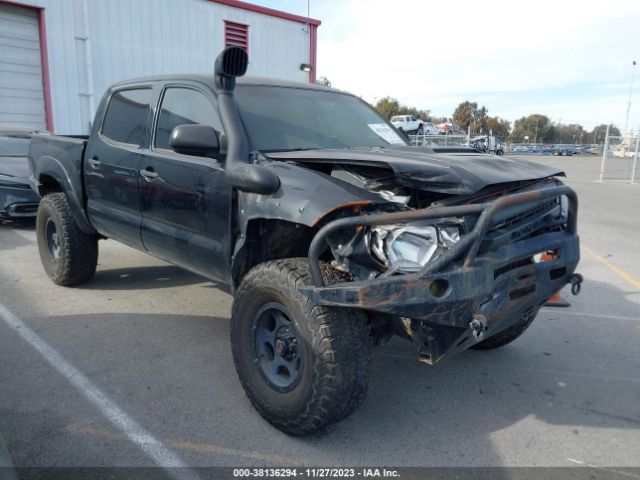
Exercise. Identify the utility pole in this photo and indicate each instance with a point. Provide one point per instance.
(626, 122)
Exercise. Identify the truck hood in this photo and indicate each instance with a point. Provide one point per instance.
(456, 171)
(15, 167)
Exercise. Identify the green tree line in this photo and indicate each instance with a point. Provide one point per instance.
(534, 128)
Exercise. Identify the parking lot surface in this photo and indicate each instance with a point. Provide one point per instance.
(152, 341)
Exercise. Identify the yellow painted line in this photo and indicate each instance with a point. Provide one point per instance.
(614, 268)
(196, 447)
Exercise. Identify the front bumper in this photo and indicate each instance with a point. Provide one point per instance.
(439, 303)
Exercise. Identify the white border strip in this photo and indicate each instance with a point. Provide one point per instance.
(153, 448)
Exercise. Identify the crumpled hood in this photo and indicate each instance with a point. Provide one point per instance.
(458, 171)
(16, 168)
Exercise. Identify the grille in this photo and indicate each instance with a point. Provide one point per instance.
(543, 217)
(515, 220)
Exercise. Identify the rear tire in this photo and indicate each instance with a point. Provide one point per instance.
(330, 380)
(69, 255)
(507, 336)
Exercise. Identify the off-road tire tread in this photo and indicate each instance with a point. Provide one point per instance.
(341, 338)
(80, 256)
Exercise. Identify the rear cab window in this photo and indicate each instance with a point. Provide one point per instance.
(127, 114)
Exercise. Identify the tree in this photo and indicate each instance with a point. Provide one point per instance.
(439, 120)
(388, 107)
(467, 114)
(571, 133)
(498, 126)
(324, 81)
(537, 127)
(597, 135)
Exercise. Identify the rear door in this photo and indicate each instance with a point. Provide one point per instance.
(186, 201)
(111, 164)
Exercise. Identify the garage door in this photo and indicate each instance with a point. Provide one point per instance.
(21, 87)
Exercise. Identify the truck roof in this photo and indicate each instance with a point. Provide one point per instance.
(210, 81)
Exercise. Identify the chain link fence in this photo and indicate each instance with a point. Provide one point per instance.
(619, 154)
(620, 158)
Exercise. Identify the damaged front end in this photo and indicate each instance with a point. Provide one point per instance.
(448, 277)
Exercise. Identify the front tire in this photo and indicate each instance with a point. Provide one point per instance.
(68, 255)
(303, 366)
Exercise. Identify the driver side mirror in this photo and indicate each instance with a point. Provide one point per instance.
(194, 139)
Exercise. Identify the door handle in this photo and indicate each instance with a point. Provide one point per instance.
(94, 162)
(149, 175)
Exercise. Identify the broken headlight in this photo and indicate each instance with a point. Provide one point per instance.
(408, 248)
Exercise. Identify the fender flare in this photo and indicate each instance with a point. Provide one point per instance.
(51, 167)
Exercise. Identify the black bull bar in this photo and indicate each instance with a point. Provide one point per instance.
(446, 310)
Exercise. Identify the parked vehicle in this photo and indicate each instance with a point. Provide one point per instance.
(448, 128)
(565, 150)
(17, 199)
(332, 233)
(430, 129)
(487, 144)
(624, 151)
(521, 149)
(413, 125)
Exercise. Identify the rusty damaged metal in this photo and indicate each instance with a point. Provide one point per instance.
(495, 288)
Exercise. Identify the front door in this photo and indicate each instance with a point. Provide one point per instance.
(111, 165)
(186, 201)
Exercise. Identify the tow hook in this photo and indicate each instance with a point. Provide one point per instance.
(576, 283)
(478, 326)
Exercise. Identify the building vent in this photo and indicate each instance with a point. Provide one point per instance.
(236, 35)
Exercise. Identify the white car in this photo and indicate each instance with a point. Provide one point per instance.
(414, 126)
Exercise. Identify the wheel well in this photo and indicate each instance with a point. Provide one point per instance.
(270, 240)
(48, 184)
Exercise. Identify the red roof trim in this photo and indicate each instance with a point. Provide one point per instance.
(267, 11)
(44, 60)
(313, 52)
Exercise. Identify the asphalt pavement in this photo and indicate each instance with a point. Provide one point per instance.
(134, 369)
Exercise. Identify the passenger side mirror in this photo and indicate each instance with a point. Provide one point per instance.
(194, 139)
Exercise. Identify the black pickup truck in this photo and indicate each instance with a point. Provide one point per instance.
(332, 233)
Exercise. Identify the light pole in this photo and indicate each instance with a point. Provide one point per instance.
(626, 122)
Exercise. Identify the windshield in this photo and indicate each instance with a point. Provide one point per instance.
(11, 146)
(281, 118)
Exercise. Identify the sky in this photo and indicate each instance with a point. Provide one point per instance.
(569, 60)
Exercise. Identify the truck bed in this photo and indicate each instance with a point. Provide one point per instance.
(59, 158)
(68, 150)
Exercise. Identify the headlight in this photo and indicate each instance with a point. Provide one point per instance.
(410, 247)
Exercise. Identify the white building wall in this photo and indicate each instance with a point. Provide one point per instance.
(133, 38)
